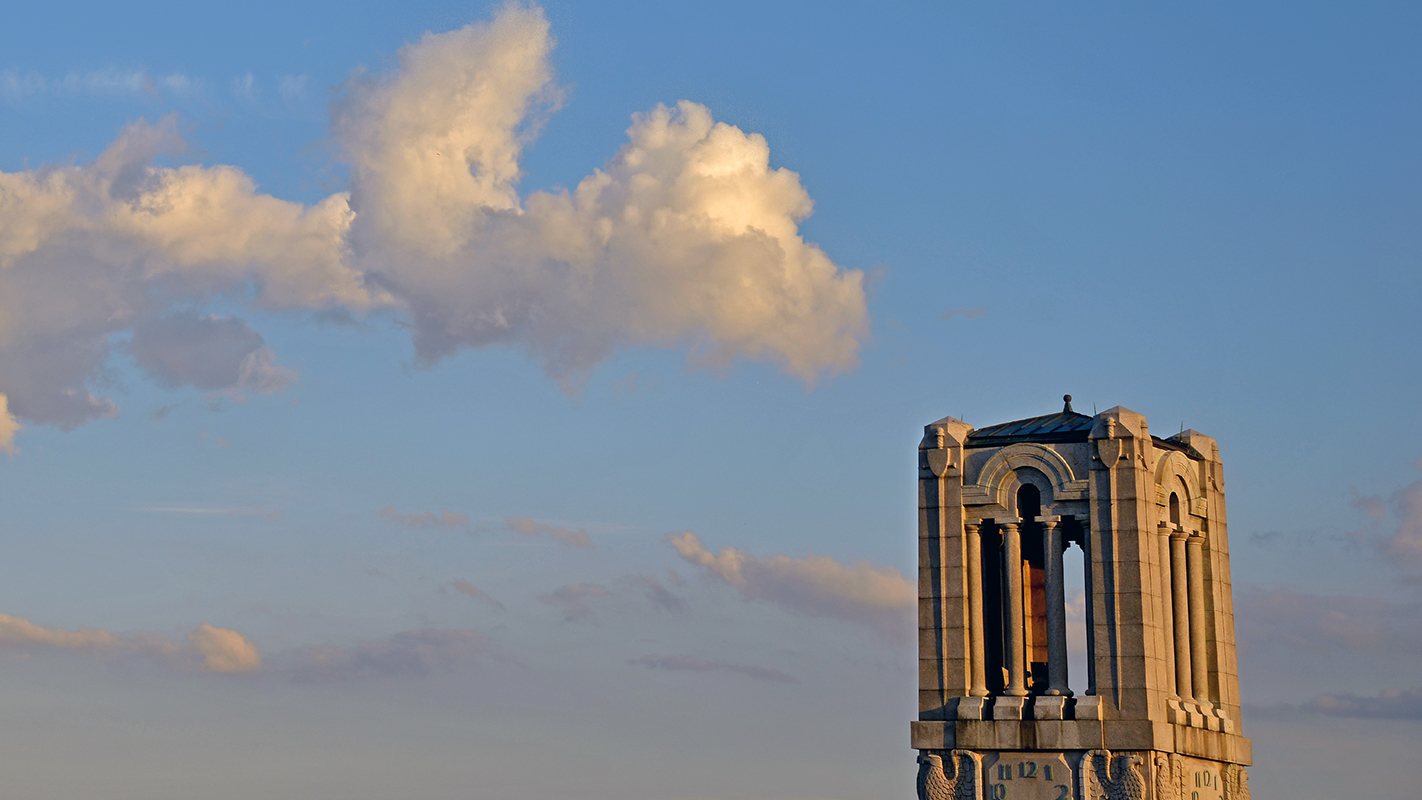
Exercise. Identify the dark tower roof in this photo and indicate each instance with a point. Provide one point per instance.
(1064, 426)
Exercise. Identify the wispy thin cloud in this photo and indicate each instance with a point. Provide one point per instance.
(475, 593)
(1397, 704)
(654, 592)
(686, 663)
(820, 586)
(207, 648)
(420, 520)
(576, 600)
(533, 529)
(16, 86)
(293, 87)
(410, 653)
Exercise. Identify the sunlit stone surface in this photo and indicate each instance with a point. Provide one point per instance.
(1159, 715)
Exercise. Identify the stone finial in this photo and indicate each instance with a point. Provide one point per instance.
(1066, 404)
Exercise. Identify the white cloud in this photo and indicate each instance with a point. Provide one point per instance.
(687, 237)
(208, 648)
(816, 585)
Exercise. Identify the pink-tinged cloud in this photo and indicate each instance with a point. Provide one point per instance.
(9, 426)
(421, 520)
(686, 663)
(819, 586)
(576, 600)
(531, 528)
(208, 648)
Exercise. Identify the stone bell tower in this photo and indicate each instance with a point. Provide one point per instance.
(1156, 717)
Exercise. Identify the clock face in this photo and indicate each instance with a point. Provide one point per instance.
(1028, 776)
(1199, 779)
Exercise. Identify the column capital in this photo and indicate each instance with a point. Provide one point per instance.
(1007, 522)
(1047, 519)
(1196, 539)
(1179, 535)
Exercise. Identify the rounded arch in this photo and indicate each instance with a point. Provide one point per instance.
(1000, 475)
(1175, 472)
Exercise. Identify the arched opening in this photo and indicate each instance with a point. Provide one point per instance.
(1034, 588)
(1074, 574)
(1174, 508)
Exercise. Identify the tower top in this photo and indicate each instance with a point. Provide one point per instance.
(998, 506)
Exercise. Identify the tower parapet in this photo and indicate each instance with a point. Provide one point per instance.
(1157, 715)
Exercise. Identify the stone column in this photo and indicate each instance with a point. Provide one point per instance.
(1166, 590)
(1016, 639)
(1056, 608)
(1181, 604)
(977, 651)
(1199, 649)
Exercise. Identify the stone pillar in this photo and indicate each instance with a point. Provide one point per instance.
(977, 651)
(1056, 608)
(1199, 648)
(1166, 590)
(1016, 638)
(1181, 604)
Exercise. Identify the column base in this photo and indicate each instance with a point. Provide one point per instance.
(1005, 707)
(972, 707)
(1049, 707)
(1089, 707)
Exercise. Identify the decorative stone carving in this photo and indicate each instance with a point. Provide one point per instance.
(1169, 777)
(1236, 782)
(934, 783)
(1107, 778)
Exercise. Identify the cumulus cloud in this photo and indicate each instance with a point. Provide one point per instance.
(410, 653)
(816, 585)
(576, 600)
(208, 648)
(207, 352)
(530, 528)
(687, 237)
(685, 663)
(418, 520)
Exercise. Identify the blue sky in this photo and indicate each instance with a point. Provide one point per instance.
(367, 448)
